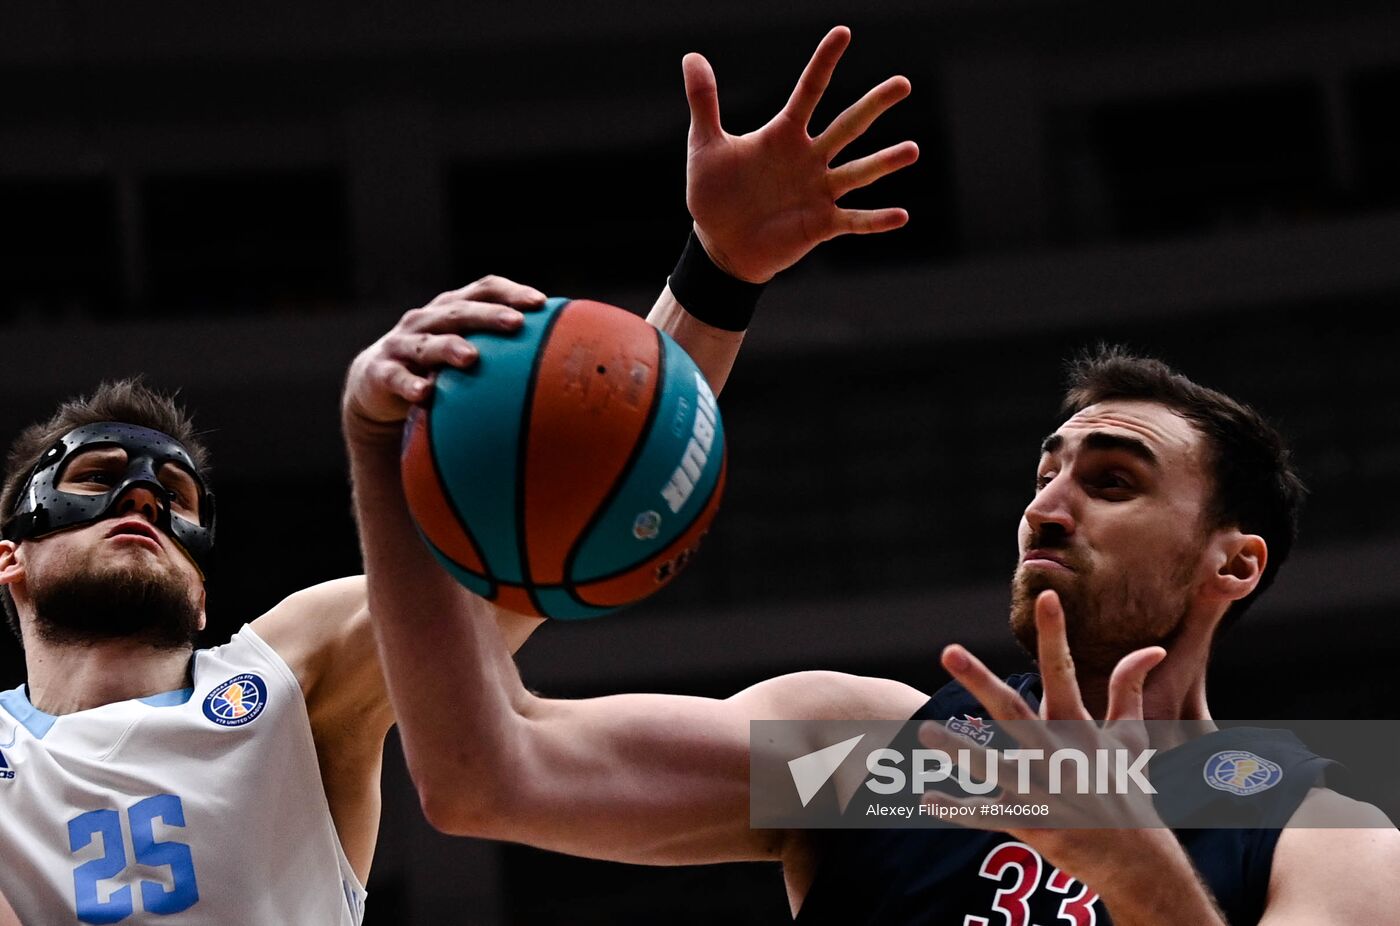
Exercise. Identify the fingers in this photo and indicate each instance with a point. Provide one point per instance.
(860, 115)
(816, 76)
(495, 289)
(425, 352)
(451, 317)
(1062, 698)
(407, 361)
(399, 381)
(702, 93)
(865, 171)
(868, 221)
(1126, 683)
(999, 698)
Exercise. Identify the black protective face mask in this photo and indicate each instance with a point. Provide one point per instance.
(42, 508)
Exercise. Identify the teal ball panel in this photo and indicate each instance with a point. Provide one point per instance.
(477, 414)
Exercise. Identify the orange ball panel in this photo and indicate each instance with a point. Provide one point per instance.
(514, 598)
(596, 383)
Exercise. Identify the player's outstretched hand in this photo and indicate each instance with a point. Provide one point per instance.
(1104, 825)
(763, 200)
(396, 371)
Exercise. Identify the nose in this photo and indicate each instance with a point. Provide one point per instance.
(1051, 512)
(140, 500)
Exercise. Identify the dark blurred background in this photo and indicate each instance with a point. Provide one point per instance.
(235, 199)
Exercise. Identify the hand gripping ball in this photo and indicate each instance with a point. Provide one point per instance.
(573, 469)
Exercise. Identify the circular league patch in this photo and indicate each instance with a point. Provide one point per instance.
(237, 701)
(1242, 773)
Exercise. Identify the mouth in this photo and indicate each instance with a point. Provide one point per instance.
(1045, 559)
(137, 531)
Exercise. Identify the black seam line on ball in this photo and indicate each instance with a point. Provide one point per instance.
(521, 456)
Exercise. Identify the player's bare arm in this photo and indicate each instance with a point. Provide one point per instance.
(660, 779)
(7, 914)
(633, 777)
(1338, 874)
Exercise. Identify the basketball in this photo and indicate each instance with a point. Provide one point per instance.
(573, 469)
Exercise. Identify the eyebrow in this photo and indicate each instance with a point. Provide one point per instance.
(1102, 440)
(179, 471)
(96, 452)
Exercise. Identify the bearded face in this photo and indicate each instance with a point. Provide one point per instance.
(118, 578)
(1117, 529)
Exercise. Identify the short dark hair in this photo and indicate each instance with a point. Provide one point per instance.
(129, 401)
(1255, 486)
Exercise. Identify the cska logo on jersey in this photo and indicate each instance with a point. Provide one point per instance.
(6, 773)
(974, 728)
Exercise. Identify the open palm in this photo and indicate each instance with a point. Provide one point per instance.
(763, 200)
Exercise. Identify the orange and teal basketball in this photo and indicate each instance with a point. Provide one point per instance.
(573, 469)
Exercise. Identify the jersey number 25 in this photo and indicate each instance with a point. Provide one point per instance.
(156, 898)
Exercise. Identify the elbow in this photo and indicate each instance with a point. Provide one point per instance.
(450, 811)
(465, 801)
(475, 788)
(455, 805)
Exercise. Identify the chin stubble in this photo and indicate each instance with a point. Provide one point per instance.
(89, 606)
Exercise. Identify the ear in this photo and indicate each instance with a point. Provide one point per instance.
(1237, 564)
(11, 570)
(203, 597)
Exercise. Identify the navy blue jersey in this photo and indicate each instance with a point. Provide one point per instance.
(963, 877)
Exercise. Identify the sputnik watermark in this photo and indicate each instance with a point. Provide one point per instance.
(1105, 771)
(962, 769)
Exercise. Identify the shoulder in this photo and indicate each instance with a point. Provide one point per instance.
(324, 635)
(336, 596)
(1337, 861)
(827, 695)
(307, 624)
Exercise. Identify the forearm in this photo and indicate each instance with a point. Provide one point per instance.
(455, 715)
(713, 349)
(1160, 888)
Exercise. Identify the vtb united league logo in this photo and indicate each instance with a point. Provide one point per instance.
(974, 728)
(1242, 773)
(237, 701)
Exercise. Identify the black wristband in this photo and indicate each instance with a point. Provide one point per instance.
(710, 294)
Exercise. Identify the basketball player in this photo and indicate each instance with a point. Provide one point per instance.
(1161, 510)
(141, 782)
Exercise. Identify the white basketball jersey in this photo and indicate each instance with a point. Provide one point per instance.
(196, 806)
